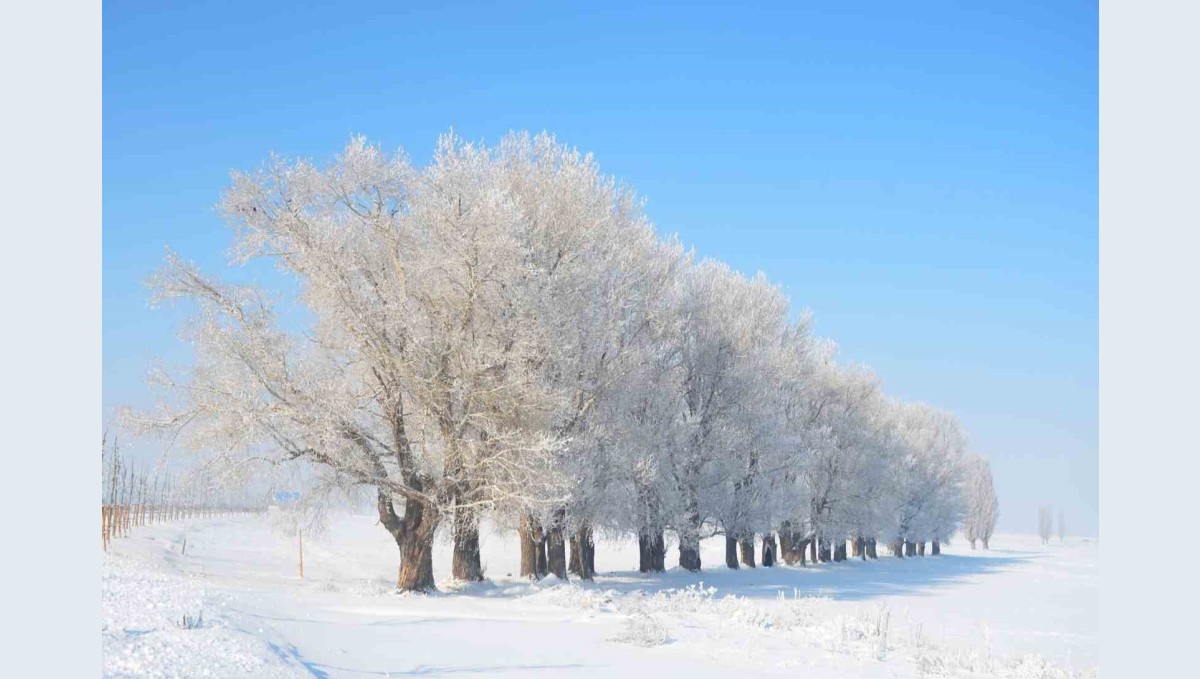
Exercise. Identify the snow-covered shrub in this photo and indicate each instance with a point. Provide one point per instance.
(643, 629)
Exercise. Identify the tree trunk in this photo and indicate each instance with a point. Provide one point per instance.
(543, 559)
(586, 547)
(416, 556)
(823, 550)
(856, 548)
(839, 551)
(985, 543)
(921, 548)
(414, 536)
(689, 553)
(972, 543)
(747, 547)
(936, 548)
(652, 547)
(787, 544)
(645, 556)
(527, 536)
(574, 567)
(814, 557)
(652, 552)
(556, 546)
(466, 563)
(556, 553)
(898, 548)
(689, 539)
(910, 548)
(768, 550)
(731, 559)
(871, 549)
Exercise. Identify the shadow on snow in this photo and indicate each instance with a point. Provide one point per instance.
(851, 580)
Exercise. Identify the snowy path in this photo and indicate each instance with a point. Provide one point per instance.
(1020, 610)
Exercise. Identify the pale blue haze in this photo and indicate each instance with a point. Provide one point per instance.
(922, 176)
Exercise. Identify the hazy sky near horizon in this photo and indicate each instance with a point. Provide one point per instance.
(923, 179)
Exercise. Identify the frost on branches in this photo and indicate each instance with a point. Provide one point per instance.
(502, 333)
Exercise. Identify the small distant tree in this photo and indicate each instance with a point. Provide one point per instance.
(1062, 526)
(1045, 524)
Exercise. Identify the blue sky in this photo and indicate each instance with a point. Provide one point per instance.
(923, 179)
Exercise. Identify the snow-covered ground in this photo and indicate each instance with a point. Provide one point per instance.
(1018, 610)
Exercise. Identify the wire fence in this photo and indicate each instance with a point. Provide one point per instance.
(133, 497)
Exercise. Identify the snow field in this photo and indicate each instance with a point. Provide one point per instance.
(1020, 610)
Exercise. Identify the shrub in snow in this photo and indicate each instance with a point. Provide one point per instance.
(192, 622)
(643, 629)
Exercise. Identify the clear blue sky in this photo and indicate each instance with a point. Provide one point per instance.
(923, 178)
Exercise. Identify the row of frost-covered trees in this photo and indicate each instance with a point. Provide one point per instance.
(502, 334)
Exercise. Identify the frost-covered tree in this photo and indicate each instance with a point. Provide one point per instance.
(983, 508)
(416, 378)
(929, 477)
(592, 272)
(839, 444)
(726, 326)
(1045, 523)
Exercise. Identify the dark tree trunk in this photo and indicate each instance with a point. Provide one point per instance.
(856, 548)
(910, 548)
(768, 550)
(556, 546)
(972, 543)
(466, 563)
(652, 552)
(574, 567)
(985, 545)
(839, 551)
(587, 551)
(528, 537)
(747, 548)
(898, 548)
(936, 548)
(921, 548)
(731, 559)
(543, 559)
(689, 553)
(689, 539)
(652, 547)
(815, 556)
(823, 550)
(803, 550)
(871, 549)
(556, 553)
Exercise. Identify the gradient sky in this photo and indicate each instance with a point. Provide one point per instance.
(923, 179)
